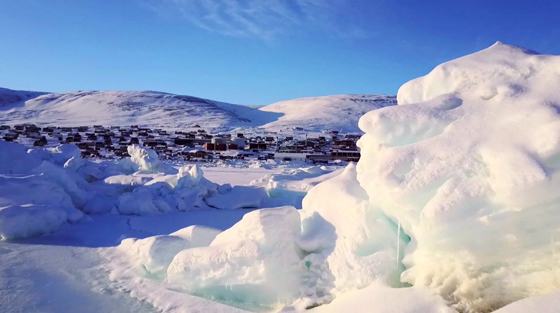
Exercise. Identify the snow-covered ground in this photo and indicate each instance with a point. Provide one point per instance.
(453, 207)
(176, 112)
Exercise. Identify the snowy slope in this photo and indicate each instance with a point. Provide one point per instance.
(340, 112)
(148, 108)
(157, 109)
(9, 96)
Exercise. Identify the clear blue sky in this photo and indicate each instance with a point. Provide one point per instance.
(255, 51)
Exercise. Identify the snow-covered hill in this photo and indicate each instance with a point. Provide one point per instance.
(157, 109)
(340, 112)
(8, 96)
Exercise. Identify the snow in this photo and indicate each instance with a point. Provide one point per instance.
(348, 242)
(451, 208)
(29, 221)
(380, 298)
(177, 112)
(455, 194)
(15, 159)
(155, 253)
(125, 108)
(8, 96)
(255, 261)
(548, 303)
(468, 164)
(340, 112)
(146, 159)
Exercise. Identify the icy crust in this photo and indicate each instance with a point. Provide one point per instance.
(42, 188)
(469, 164)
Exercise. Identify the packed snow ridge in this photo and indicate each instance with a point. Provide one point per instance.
(456, 193)
(168, 111)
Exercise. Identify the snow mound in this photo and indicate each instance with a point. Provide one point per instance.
(348, 242)
(29, 221)
(379, 298)
(188, 189)
(548, 303)
(281, 256)
(254, 262)
(42, 188)
(15, 159)
(154, 254)
(146, 159)
(469, 164)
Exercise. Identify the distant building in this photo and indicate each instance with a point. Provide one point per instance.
(289, 156)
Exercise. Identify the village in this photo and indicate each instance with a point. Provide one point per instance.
(193, 145)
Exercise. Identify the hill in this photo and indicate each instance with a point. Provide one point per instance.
(169, 111)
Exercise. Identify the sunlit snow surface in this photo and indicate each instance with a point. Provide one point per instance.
(456, 194)
(177, 112)
(467, 164)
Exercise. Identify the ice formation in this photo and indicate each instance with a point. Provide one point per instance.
(456, 192)
(154, 254)
(42, 188)
(468, 162)
(254, 262)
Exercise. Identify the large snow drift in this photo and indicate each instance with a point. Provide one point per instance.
(469, 164)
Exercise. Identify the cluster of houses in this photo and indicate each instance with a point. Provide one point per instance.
(192, 145)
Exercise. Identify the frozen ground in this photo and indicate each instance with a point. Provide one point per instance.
(452, 208)
(64, 272)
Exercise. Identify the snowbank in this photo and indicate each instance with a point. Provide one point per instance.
(254, 262)
(379, 298)
(154, 254)
(348, 242)
(31, 203)
(42, 188)
(468, 163)
(548, 303)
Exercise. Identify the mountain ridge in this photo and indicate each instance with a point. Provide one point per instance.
(171, 111)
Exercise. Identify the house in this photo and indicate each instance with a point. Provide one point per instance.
(215, 146)
(195, 153)
(346, 155)
(290, 156)
(257, 146)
